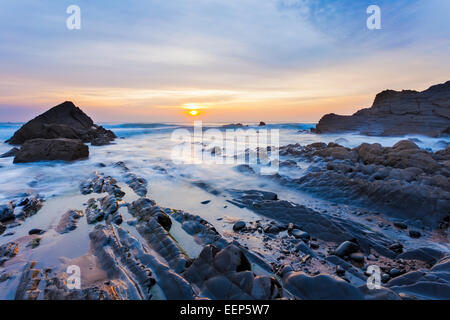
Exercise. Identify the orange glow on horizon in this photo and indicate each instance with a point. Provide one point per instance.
(194, 113)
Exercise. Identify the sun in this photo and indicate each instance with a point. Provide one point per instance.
(193, 112)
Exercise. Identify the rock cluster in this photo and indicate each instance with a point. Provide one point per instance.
(58, 134)
(404, 180)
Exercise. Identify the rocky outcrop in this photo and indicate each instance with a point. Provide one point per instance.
(68, 221)
(58, 134)
(316, 224)
(6, 212)
(395, 113)
(404, 180)
(63, 121)
(138, 184)
(425, 284)
(8, 251)
(99, 183)
(10, 153)
(51, 149)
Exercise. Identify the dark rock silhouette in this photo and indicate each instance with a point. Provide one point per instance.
(63, 121)
(10, 153)
(397, 113)
(51, 149)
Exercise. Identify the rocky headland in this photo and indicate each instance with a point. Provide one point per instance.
(395, 113)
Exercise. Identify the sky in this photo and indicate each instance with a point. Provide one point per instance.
(232, 60)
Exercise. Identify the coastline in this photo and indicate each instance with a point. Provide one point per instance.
(266, 239)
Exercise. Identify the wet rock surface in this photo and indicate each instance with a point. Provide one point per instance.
(404, 180)
(226, 275)
(69, 221)
(290, 251)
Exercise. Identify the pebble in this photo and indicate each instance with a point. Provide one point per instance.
(371, 257)
(396, 247)
(299, 234)
(314, 245)
(357, 257)
(36, 231)
(340, 271)
(395, 272)
(239, 225)
(346, 248)
(400, 225)
(414, 234)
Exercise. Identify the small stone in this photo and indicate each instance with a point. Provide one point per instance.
(36, 231)
(357, 257)
(340, 271)
(400, 225)
(395, 272)
(346, 248)
(132, 222)
(299, 234)
(371, 257)
(314, 245)
(271, 229)
(396, 247)
(239, 225)
(385, 277)
(205, 202)
(414, 234)
(34, 243)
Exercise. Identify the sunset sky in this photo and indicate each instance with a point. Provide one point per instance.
(233, 60)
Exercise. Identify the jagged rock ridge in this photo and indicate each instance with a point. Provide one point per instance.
(395, 113)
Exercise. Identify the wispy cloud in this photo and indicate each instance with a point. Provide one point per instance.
(153, 56)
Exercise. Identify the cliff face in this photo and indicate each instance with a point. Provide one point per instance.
(397, 113)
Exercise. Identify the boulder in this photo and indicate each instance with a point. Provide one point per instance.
(346, 248)
(52, 149)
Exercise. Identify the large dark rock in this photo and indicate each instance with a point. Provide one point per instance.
(63, 121)
(52, 149)
(398, 113)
